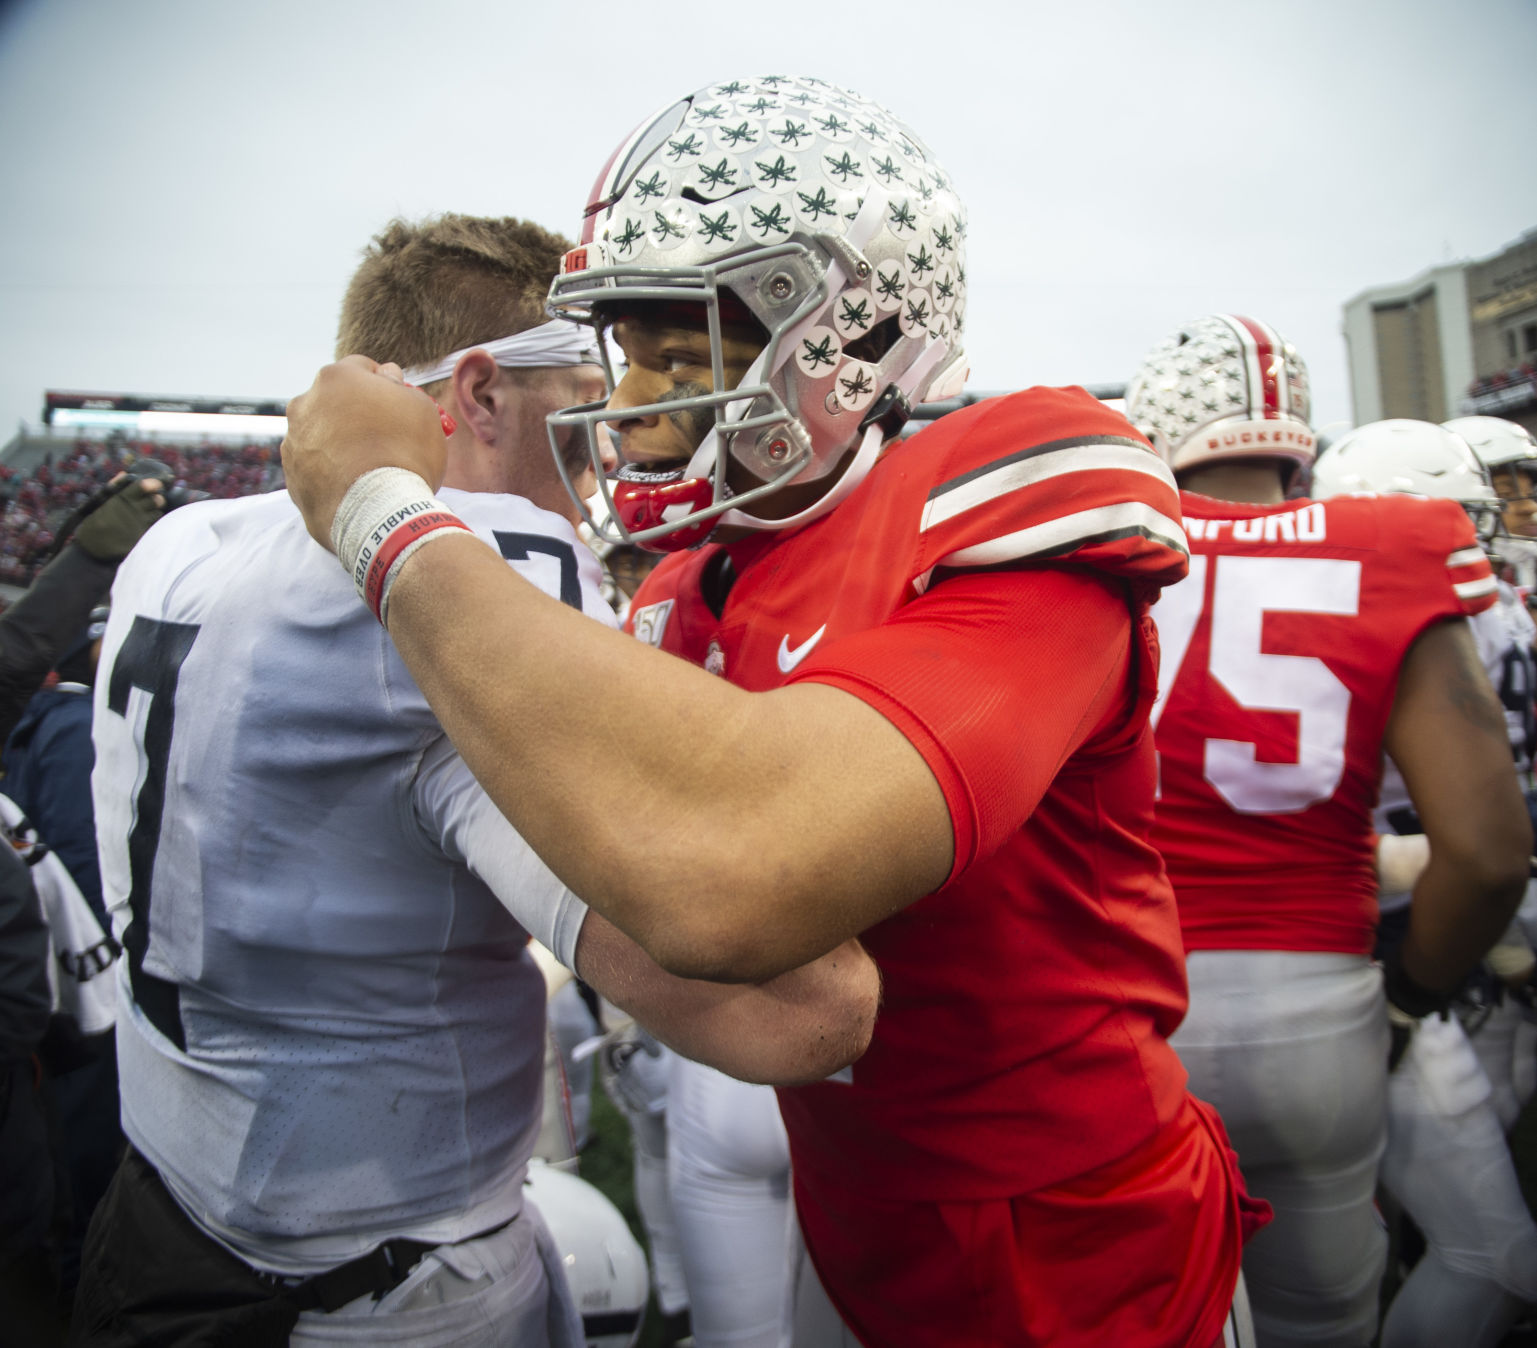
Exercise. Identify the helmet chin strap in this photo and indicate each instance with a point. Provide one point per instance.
(863, 461)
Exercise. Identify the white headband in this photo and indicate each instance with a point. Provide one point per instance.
(558, 342)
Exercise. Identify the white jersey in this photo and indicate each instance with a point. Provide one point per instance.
(1504, 636)
(331, 1031)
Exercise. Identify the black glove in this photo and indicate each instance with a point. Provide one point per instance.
(1408, 1003)
(1401, 1028)
(110, 529)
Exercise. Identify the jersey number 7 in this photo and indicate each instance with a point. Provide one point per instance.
(150, 660)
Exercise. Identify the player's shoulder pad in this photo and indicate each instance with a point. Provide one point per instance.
(1047, 475)
(182, 538)
(1437, 534)
(540, 544)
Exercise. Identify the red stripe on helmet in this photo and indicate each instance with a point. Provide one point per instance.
(1270, 365)
(596, 200)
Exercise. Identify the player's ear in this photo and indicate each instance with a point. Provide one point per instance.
(476, 384)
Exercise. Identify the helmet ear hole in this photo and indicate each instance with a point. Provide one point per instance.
(877, 342)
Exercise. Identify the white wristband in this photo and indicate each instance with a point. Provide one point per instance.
(384, 517)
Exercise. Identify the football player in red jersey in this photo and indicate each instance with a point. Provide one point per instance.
(1309, 637)
(931, 727)
(1446, 1160)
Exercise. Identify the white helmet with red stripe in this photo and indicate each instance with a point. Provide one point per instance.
(820, 217)
(1220, 388)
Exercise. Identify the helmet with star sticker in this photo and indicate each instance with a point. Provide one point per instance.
(1220, 388)
(817, 217)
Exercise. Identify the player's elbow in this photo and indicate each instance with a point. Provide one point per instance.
(814, 1021)
(839, 1039)
(720, 951)
(835, 1048)
(1501, 881)
(1495, 864)
(741, 928)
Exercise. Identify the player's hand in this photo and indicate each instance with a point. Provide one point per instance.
(355, 417)
(112, 528)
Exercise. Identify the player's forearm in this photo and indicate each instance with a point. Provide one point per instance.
(711, 825)
(38, 626)
(1447, 735)
(798, 1027)
(1461, 907)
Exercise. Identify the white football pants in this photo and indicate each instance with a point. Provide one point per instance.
(728, 1173)
(639, 1089)
(1448, 1163)
(1506, 1045)
(503, 1290)
(1292, 1050)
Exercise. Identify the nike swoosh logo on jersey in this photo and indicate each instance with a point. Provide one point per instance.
(789, 658)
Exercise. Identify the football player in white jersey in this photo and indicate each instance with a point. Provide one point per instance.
(1507, 450)
(332, 1032)
(1446, 1159)
(1307, 637)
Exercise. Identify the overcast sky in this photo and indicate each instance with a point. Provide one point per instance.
(187, 185)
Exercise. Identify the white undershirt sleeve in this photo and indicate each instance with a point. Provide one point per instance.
(457, 813)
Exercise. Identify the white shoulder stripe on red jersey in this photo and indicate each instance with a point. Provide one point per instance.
(1069, 533)
(1465, 557)
(1081, 454)
(1474, 589)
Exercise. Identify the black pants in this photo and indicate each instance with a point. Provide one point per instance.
(149, 1276)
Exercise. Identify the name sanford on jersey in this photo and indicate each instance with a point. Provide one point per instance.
(1307, 525)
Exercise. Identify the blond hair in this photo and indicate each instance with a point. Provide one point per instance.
(425, 289)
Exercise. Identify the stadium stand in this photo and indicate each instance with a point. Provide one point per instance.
(43, 478)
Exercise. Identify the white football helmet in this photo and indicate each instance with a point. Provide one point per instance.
(604, 1263)
(1497, 442)
(832, 226)
(1400, 455)
(1504, 447)
(1219, 388)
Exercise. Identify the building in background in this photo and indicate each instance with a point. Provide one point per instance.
(1457, 340)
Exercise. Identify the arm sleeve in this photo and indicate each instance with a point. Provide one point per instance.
(458, 815)
(996, 679)
(39, 625)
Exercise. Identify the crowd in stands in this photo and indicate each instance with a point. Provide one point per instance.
(1524, 373)
(36, 504)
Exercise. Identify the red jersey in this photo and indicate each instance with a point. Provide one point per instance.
(986, 589)
(1280, 661)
